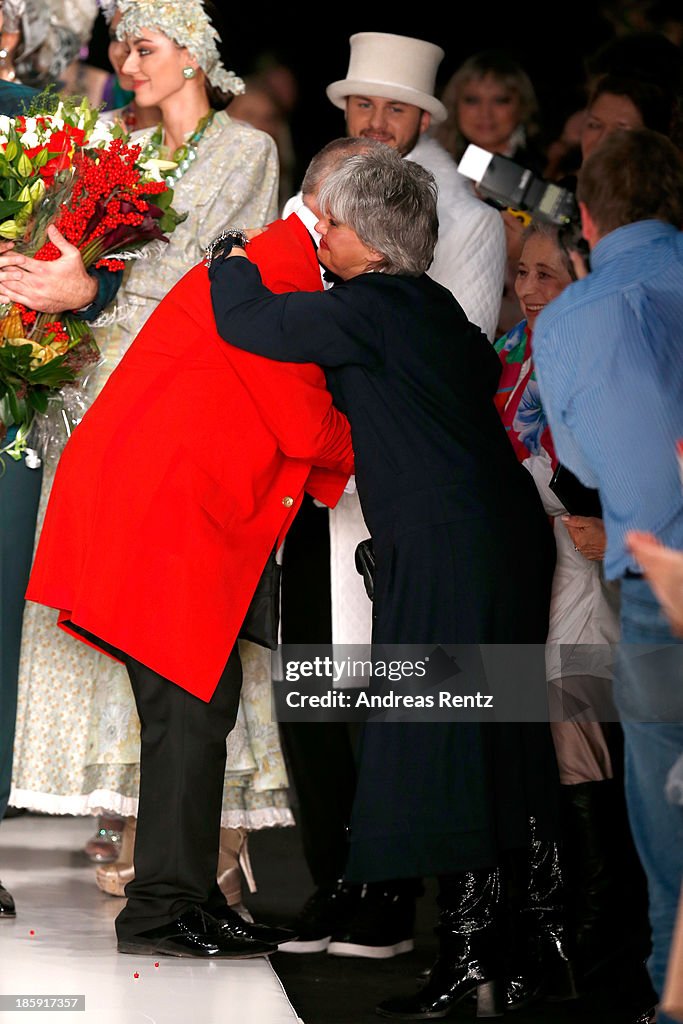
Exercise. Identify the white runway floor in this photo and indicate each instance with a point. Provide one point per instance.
(72, 949)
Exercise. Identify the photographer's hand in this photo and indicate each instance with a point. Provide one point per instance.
(588, 536)
(514, 231)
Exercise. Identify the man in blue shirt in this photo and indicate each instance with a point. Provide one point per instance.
(609, 360)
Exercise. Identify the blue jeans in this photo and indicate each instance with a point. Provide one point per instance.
(649, 696)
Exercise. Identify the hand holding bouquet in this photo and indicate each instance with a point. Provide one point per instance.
(62, 168)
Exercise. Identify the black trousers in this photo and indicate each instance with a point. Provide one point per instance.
(321, 759)
(182, 768)
(320, 755)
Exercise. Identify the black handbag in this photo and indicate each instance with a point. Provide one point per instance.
(262, 622)
(365, 564)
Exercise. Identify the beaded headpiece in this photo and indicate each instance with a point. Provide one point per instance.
(187, 24)
(108, 8)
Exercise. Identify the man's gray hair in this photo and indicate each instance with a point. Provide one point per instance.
(390, 203)
(331, 156)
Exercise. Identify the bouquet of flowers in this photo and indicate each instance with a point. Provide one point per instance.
(60, 164)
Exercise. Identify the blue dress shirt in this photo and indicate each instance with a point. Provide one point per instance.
(609, 362)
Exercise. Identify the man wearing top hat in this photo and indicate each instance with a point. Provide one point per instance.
(389, 95)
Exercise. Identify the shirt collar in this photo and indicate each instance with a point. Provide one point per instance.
(307, 218)
(630, 236)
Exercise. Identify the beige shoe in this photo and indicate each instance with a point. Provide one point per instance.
(233, 863)
(114, 877)
(104, 846)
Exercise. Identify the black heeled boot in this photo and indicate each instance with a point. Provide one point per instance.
(469, 961)
(544, 969)
(607, 883)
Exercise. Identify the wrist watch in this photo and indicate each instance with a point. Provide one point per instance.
(223, 245)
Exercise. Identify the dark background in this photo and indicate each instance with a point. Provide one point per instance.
(313, 40)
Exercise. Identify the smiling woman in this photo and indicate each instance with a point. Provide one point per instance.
(584, 613)
(491, 103)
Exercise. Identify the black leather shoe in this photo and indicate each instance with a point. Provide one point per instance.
(325, 912)
(233, 924)
(7, 908)
(196, 933)
(382, 924)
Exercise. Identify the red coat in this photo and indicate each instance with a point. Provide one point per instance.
(184, 473)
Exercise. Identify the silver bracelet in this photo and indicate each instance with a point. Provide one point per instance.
(223, 243)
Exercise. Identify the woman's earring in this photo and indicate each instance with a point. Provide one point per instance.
(189, 72)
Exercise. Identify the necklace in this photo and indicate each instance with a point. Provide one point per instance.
(183, 157)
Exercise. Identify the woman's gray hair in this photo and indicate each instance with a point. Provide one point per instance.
(554, 233)
(390, 203)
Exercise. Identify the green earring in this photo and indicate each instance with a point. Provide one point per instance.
(189, 72)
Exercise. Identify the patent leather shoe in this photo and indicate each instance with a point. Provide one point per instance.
(197, 934)
(234, 924)
(469, 961)
(7, 908)
(648, 1016)
(448, 985)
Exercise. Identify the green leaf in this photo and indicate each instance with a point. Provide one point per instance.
(8, 207)
(14, 405)
(38, 400)
(163, 200)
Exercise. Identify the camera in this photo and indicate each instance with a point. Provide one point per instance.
(509, 185)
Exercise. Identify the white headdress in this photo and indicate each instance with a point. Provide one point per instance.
(108, 8)
(187, 24)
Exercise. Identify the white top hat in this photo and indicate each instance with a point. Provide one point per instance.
(394, 67)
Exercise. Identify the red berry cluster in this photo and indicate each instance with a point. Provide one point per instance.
(28, 316)
(111, 264)
(56, 329)
(108, 194)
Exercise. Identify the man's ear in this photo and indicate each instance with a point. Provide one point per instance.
(425, 121)
(589, 229)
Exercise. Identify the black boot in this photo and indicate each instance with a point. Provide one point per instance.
(469, 952)
(608, 890)
(544, 969)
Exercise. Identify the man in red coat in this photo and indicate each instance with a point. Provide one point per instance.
(180, 480)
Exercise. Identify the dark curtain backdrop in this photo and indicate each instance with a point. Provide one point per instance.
(313, 41)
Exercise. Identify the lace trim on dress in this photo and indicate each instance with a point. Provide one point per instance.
(105, 802)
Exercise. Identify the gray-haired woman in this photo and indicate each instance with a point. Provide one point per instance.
(416, 380)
